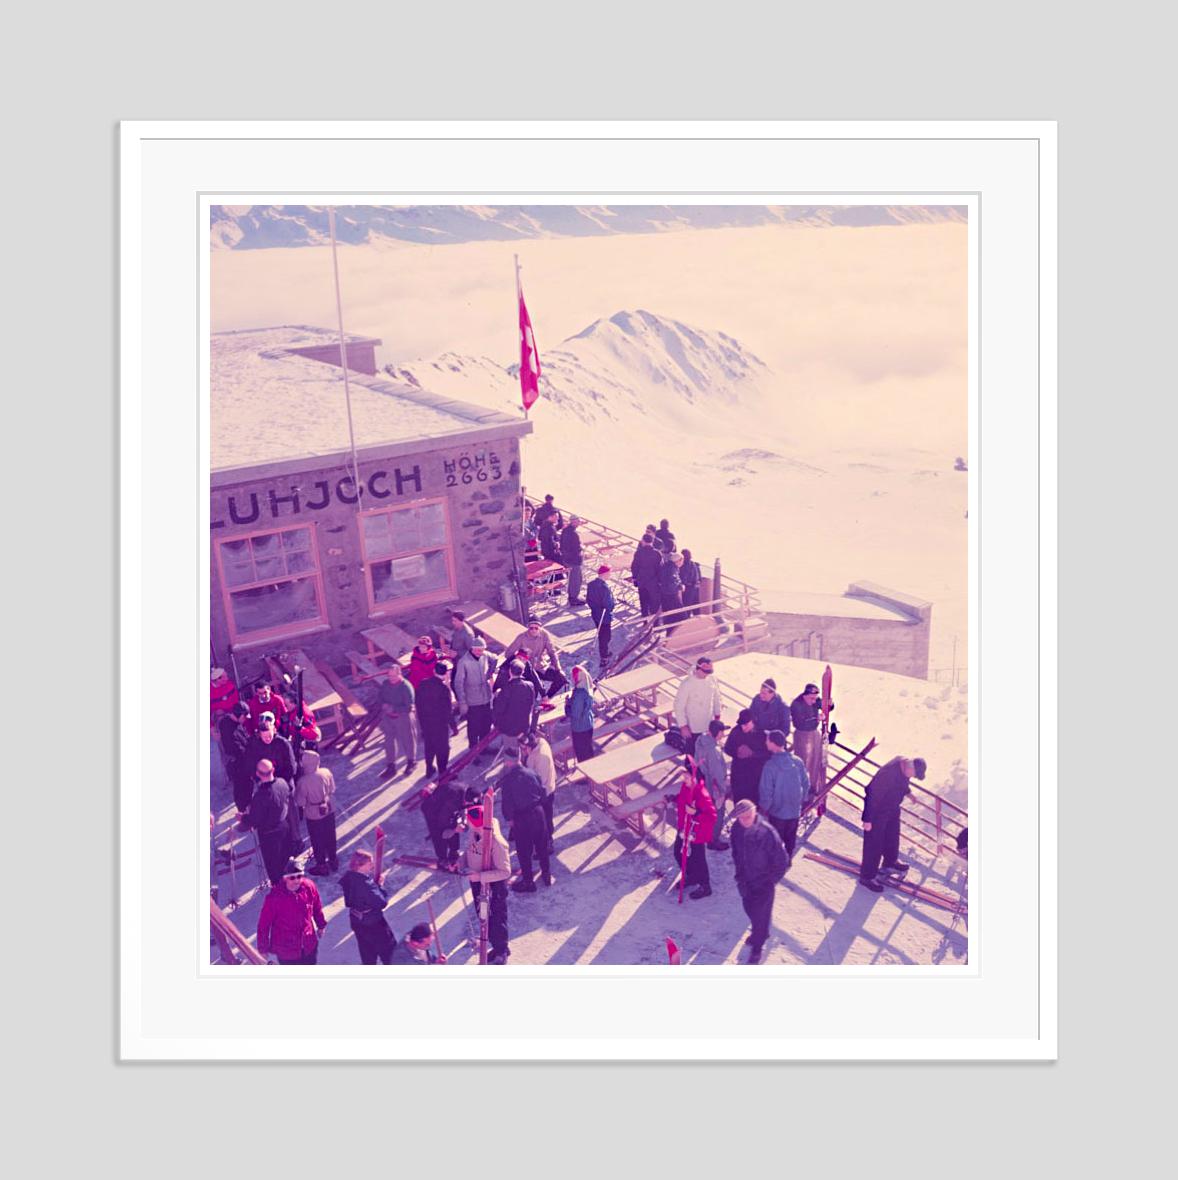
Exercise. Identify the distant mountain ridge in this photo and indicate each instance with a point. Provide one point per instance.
(256, 227)
(634, 362)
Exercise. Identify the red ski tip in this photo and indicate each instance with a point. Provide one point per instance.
(672, 951)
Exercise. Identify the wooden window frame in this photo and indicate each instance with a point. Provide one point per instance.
(299, 627)
(448, 593)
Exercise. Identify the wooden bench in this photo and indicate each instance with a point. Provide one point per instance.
(363, 668)
(351, 703)
(562, 748)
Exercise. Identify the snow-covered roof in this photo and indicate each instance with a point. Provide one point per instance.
(269, 405)
(791, 602)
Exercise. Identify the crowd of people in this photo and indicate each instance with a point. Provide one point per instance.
(750, 782)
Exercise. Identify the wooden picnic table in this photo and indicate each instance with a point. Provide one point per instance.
(637, 688)
(318, 695)
(614, 773)
(496, 628)
(389, 640)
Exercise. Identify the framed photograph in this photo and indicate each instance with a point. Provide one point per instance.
(622, 556)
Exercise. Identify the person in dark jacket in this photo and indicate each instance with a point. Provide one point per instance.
(544, 511)
(528, 674)
(806, 712)
(671, 586)
(291, 919)
(881, 818)
(690, 576)
(268, 743)
(314, 792)
(435, 706)
(440, 809)
(522, 796)
(665, 537)
(644, 569)
(571, 557)
(548, 541)
(760, 860)
(769, 710)
(235, 740)
(601, 607)
(366, 900)
(273, 817)
(514, 703)
(746, 747)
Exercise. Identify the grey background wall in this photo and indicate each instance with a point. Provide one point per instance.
(1101, 1103)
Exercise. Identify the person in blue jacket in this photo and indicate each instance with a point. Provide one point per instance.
(601, 606)
(784, 787)
(579, 710)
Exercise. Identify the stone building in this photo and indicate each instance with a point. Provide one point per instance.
(869, 625)
(296, 553)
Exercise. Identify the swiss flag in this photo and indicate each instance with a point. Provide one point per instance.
(529, 358)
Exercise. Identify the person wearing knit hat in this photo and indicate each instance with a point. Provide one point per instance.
(601, 602)
(746, 747)
(769, 710)
(291, 919)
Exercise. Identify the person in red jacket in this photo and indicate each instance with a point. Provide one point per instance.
(265, 700)
(291, 919)
(223, 695)
(694, 803)
(422, 662)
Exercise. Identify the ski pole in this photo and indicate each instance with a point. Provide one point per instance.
(683, 859)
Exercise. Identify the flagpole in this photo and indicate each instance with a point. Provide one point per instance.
(343, 355)
(519, 294)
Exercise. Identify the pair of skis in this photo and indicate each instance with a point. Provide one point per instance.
(944, 901)
(827, 681)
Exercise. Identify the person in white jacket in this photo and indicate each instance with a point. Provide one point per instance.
(538, 757)
(697, 702)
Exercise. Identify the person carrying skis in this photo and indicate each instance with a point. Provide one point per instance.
(882, 800)
(783, 789)
(418, 948)
(480, 829)
(366, 899)
(601, 607)
(760, 861)
(695, 807)
(806, 712)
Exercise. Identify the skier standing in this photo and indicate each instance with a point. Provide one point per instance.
(601, 607)
(495, 878)
(806, 711)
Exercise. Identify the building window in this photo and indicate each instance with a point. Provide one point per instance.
(407, 556)
(271, 582)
